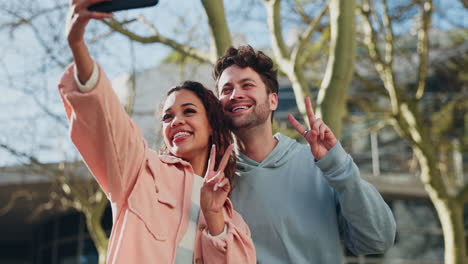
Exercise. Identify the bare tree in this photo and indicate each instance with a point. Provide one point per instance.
(84, 195)
(427, 129)
(291, 61)
(73, 190)
(333, 26)
(71, 187)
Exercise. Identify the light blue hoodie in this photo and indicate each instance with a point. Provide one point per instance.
(299, 210)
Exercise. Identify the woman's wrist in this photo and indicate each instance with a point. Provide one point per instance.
(214, 222)
(83, 61)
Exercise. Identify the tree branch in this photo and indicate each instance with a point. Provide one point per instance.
(276, 34)
(388, 36)
(370, 85)
(313, 49)
(371, 37)
(462, 195)
(465, 3)
(281, 53)
(423, 46)
(58, 118)
(299, 9)
(368, 106)
(384, 70)
(11, 203)
(158, 38)
(306, 35)
(331, 99)
(220, 35)
(59, 174)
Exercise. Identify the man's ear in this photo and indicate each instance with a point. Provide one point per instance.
(273, 97)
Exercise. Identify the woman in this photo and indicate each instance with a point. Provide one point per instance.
(163, 210)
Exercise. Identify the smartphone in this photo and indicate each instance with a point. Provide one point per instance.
(117, 5)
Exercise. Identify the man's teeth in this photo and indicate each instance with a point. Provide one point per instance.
(181, 134)
(239, 108)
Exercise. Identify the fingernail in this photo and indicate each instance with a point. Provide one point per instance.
(215, 187)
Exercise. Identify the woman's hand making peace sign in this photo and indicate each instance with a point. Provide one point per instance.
(321, 139)
(216, 186)
(214, 192)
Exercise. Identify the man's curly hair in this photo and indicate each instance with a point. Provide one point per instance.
(246, 56)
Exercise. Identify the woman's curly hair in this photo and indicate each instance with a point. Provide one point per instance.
(222, 136)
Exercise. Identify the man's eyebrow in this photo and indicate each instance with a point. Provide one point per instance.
(227, 83)
(241, 81)
(247, 80)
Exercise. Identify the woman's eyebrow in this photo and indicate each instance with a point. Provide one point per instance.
(187, 104)
(182, 105)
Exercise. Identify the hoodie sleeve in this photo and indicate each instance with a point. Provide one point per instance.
(366, 222)
(109, 142)
(236, 246)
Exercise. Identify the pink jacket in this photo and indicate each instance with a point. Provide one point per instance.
(149, 193)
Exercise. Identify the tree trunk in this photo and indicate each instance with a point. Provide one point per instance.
(331, 101)
(449, 209)
(93, 223)
(220, 34)
(451, 219)
(282, 56)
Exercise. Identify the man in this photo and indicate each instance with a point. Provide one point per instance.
(300, 201)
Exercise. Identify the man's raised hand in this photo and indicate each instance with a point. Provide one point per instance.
(321, 139)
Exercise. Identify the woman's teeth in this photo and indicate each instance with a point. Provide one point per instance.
(181, 134)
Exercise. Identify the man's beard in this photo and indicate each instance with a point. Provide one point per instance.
(258, 115)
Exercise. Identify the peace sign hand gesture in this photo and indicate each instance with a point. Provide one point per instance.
(214, 192)
(321, 139)
(216, 186)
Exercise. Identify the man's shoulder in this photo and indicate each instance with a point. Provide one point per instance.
(294, 152)
(286, 141)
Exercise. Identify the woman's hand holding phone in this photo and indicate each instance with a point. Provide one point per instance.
(79, 16)
(77, 20)
(117, 5)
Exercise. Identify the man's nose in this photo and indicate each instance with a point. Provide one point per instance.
(237, 93)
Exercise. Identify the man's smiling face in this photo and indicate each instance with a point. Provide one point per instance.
(244, 97)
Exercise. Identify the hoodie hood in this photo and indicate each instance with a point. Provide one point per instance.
(285, 148)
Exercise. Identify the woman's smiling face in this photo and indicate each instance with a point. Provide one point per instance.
(186, 128)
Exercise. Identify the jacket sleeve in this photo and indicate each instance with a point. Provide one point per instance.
(366, 222)
(236, 246)
(109, 142)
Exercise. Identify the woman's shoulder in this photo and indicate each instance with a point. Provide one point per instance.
(162, 164)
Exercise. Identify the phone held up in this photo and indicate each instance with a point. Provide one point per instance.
(117, 5)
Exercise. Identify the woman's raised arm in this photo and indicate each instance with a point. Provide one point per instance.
(77, 20)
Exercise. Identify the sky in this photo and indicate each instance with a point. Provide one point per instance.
(27, 69)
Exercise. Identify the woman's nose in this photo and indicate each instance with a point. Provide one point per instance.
(177, 121)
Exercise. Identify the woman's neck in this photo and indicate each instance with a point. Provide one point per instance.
(199, 163)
